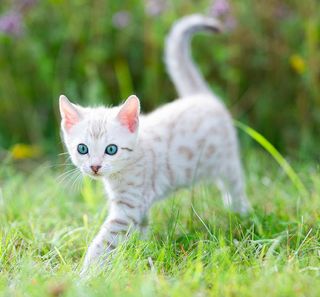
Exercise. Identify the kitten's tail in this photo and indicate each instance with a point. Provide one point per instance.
(183, 72)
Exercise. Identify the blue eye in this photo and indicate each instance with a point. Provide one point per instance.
(82, 149)
(111, 149)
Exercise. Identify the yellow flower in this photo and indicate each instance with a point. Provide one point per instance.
(25, 151)
(297, 63)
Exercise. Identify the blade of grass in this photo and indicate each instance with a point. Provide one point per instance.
(60, 256)
(124, 78)
(287, 168)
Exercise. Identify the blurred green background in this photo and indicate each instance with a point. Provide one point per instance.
(265, 67)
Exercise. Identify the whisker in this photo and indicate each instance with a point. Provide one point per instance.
(66, 174)
(66, 163)
(77, 182)
(70, 170)
(70, 178)
(62, 154)
(59, 165)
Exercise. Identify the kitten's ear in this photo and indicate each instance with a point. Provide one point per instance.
(69, 113)
(129, 113)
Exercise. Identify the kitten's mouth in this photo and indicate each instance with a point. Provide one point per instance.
(96, 175)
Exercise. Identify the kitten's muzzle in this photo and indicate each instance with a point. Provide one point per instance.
(95, 168)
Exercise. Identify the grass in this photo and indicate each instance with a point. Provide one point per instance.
(195, 247)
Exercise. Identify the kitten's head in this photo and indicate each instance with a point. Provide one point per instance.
(100, 140)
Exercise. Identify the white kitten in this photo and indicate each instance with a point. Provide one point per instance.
(142, 159)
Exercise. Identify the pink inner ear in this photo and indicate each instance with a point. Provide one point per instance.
(129, 113)
(69, 114)
(70, 120)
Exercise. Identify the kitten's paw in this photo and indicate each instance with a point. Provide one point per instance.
(84, 273)
(90, 268)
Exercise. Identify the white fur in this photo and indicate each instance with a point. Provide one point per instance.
(180, 143)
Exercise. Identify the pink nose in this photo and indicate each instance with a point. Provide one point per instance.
(95, 168)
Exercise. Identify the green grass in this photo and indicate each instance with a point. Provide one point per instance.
(195, 246)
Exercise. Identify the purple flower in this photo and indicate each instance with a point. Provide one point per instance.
(11, 24)
(220, 8)
(155, 7)
(121, 19)
(23, 5)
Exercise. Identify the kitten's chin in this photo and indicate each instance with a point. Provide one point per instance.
(95, 176)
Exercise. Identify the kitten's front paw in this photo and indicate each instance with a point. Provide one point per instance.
(96, 259)
(84, 272)
(86, 268)
(91, 267)
(92, 261)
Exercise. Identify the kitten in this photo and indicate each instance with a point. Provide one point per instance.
(141, 159)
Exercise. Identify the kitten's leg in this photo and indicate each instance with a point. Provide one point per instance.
(124, 217)
(232, 186)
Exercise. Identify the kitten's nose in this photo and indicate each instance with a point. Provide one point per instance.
(95, 168)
